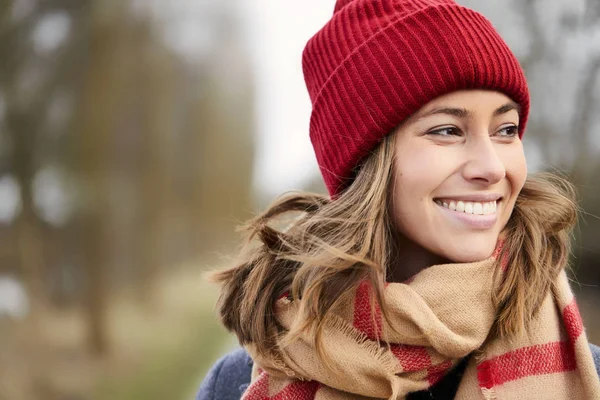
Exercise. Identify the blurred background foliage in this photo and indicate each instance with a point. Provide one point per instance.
(126, 163)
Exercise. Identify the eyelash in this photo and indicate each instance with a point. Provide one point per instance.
(512, 130)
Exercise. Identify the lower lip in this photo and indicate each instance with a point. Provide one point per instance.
(474, 221)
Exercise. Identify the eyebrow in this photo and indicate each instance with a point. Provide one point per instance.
(463, 113)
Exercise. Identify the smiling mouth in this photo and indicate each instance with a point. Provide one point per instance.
(470, 207)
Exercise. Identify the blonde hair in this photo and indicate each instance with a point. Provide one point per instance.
(329, 246)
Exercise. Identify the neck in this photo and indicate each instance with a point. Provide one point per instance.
(409, 259)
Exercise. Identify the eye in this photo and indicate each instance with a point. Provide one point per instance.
(509, 131)
(446, 131)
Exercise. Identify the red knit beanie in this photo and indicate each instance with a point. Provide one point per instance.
(376, 62)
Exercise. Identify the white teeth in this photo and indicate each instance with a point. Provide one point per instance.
(486, 208)
(470, 207)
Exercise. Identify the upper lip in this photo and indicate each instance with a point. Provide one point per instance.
(480, 197)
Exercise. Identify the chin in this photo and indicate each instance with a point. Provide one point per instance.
(470, 252)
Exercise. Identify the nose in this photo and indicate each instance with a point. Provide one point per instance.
(483, 162)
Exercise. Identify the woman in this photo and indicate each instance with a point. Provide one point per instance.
(436, 268)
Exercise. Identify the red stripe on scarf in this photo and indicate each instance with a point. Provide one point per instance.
(435, 373)
(573, 321)
(412, 358)
(258, 390)
(416, 358)
(363, 318)
(496, 254)
(528, 361)
(296, 390)
(498, 248)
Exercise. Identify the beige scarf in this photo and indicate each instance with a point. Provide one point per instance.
(442, 315)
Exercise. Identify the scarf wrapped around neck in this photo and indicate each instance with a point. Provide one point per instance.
(440, 316)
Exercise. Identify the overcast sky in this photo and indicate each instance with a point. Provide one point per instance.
(278, 32)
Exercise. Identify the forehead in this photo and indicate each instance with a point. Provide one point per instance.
(469, 99)
(465, 104)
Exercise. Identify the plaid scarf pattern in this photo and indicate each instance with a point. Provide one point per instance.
(436, 319)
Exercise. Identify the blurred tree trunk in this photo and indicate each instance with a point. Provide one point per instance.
(223, 133)
(156, 82)
(28, 224)
(99, 110)
(26, 104)
(22, 125)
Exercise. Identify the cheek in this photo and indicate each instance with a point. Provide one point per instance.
(516, 168)
(423, 169)
(516, 174)
(417, 174)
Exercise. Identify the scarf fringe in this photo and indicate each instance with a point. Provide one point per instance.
(489, 394)
(374, 348)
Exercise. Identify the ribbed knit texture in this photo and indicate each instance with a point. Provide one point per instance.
(376, 62)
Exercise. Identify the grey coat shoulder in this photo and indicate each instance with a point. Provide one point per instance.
(596, 355)
(230, 376)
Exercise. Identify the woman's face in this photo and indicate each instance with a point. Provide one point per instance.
(459, 167)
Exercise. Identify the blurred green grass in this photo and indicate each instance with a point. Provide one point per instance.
(172, 370)
(157, 350)
(175, 346)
